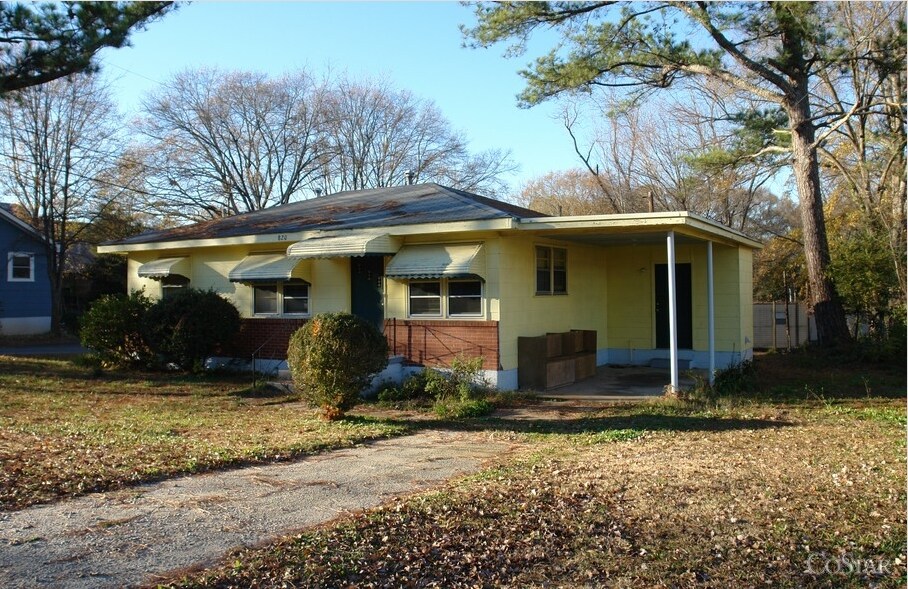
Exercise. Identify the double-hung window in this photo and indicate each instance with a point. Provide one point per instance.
(281, 298)
(21, 267)
(445, 298)
(551, 270)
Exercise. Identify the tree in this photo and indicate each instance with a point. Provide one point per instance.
(377, 135)
(773, 51)
(863, 159)
(224, 143)
(58, 141)
(44, 42)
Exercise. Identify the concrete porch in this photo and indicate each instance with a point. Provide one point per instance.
(620, 383)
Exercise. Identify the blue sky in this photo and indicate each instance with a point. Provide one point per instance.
(416, 45)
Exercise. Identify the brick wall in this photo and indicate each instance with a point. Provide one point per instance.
(428, 343)
(436, 343)
(271, 335)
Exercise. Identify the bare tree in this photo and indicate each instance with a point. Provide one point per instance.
(378, 135)
(223, 143)
(863, 157)
(59, 141)
(659, 154)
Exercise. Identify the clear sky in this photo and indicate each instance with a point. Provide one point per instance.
(416, 45)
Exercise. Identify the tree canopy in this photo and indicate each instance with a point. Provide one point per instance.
(774, 54)
(43, 42)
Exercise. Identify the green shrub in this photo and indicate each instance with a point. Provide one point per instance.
(451, 408)
(413, 388)
(189, 326)
(112, 327)
(332, 358)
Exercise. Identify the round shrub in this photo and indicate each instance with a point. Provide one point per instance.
(112, 327)
(188, 326)
(332, 359)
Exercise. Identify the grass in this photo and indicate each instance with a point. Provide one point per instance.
(789, 484)
(64, 433)
(797, 490)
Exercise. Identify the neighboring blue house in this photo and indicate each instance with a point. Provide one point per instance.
(25, 291)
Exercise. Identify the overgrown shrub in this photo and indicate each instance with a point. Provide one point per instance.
(189, 326)
(332, 358)
(733, 380)
(413, 388)
(113, 328)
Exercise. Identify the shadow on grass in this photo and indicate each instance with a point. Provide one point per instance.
(641, 422)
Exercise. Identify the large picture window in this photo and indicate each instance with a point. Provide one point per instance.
(446, 298)
(281, 298)
(21, 267)
(551, 270)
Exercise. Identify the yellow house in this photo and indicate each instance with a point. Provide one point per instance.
(446, 273)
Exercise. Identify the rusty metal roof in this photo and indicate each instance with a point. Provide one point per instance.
(358, 209)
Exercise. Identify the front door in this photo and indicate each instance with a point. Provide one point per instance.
(366, 288)
(685, 312)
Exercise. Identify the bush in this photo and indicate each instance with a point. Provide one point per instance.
(112, 327)
(188, 326)
(413, 388)
(332, 359)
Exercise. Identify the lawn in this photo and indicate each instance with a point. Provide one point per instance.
(800, 481)
(807, 490)
(65, 431)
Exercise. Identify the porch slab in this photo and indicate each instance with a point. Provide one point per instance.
(620, 383)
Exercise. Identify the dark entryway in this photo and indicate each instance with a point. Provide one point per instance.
(366, 288)
(685, 306)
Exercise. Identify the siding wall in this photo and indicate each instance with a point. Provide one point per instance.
(25, 307)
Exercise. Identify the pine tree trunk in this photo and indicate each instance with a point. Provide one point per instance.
(828, 311)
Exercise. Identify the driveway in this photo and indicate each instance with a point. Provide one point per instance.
(134, 536)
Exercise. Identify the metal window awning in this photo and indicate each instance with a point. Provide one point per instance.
(461, 260)
(263, 268)
(164, 267)
(344, 246)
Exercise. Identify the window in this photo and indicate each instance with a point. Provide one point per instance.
(265, 299)
(464, 297)
(281, 298)
(296, 298)
(425, 298)
(170, 285)
(21, 267)
(551, 270)
(446, 298)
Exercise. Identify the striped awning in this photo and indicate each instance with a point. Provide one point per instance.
(438, 261)
(164, 267)
(344, 246)
(263, 268)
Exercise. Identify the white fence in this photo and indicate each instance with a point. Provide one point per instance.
(782, 326)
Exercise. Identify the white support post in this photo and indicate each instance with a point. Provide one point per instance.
(672, 314)
(711, 312)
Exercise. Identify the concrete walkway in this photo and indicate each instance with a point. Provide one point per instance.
(133, 536)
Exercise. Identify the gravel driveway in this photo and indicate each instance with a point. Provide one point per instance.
(133, 536)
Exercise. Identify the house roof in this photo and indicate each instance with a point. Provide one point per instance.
(360, 209)
(6, 212)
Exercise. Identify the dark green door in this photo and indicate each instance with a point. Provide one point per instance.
(366, 288)
(685, 306)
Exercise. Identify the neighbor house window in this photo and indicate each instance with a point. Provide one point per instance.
(21, 267)
(425, 298)
(171, 285)
(446, 298)
(551, 270)
(281, 298)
